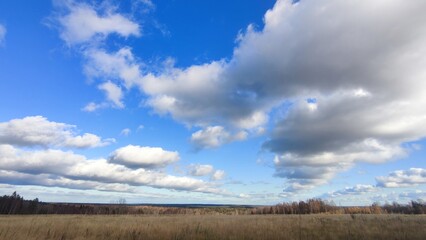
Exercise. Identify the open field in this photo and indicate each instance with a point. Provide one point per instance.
(318, 226)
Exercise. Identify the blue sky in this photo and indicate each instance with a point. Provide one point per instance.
(245, 102)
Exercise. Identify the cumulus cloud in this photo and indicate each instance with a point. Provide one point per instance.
(201, 95)
(403, 178)
(143, 157)
(367, 96)
(2, 33)
(67, 169)
(215, 136)
(348, 81)
(38, 131)
(82, 23)
(304, 170)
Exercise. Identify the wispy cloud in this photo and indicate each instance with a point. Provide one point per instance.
(86, 27)
(125, 132)
(2, 33)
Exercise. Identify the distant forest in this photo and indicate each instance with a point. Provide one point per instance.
(16, 204)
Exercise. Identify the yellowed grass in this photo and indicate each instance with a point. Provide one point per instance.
(213, 227)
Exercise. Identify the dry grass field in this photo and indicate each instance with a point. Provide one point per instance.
(213, 227)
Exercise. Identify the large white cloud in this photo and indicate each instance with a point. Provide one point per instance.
(143, 157)
(361, 71)
(67, 169)
(348, 81)
(403, 178)
(82, 23)
(38, 131)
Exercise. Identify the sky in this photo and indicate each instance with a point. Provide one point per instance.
(216, 102)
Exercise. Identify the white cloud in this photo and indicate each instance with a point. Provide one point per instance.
(2, 33)
(38, 131)
(310, 169)
(82, 23)
(218, 175)
(88, 26)
(364, 69)
(403, 178)
(143, 157)
(215, 136)
(368, 100)
(125, 132)
(19, 178)
(200, 170)
(66, 169)
(113, 92)
(114, 95)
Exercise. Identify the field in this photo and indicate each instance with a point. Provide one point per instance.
(319, 226)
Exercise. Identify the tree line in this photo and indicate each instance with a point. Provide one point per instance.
(16, 204)
(315, 206)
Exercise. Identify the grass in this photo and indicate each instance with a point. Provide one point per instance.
(213, 227)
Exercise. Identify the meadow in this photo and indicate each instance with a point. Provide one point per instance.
(311, 226)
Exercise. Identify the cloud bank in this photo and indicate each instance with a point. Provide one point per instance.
(31, 154)
(47, 166)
